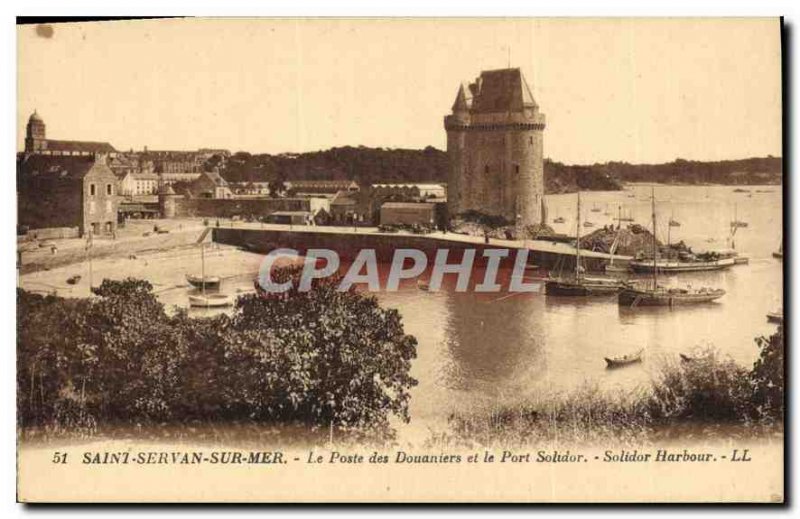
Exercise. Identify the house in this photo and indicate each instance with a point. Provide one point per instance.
(210, 185)
(135, 183)
(67, 191)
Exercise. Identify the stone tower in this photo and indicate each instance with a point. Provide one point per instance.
(494, 145)
(35, 134)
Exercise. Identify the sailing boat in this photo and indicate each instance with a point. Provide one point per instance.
(673, 222)
(581, 285)
(203, 282)
(736, 223)
(661, 296)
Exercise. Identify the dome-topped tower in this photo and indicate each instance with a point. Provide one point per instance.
(35, 135)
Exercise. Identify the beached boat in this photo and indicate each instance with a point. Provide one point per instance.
(73, 280)
(624, 360)
(210, 300)
(674, 223)
(656, 295)
(588, 224)
(207, 282)
(422, 285)
(559, 219)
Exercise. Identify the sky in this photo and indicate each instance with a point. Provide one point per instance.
(634, 90)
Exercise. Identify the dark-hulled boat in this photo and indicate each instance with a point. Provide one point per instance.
(582, 286)
(578, 284)
(624, 360)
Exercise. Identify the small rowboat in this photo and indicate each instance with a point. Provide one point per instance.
(73, 280)
(210, 300)
(200, 282)
(618, 362)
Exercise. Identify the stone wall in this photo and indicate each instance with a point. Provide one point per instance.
(348, 245)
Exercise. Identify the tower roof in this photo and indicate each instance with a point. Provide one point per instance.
(463, 100)
(35, 117)
(503, 90)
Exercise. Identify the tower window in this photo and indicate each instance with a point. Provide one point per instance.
(530, 139)
(92, 189)
(109, 190)
(486, 169)
(516, 169)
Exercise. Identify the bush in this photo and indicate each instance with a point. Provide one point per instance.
(705, 389)
(767, 375)
(317, 358)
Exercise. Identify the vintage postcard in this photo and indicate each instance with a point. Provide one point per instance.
(439, 260)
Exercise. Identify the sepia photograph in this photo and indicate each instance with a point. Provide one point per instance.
(400, 260)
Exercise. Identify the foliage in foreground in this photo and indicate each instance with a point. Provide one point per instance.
(320, 358)
(704, 395)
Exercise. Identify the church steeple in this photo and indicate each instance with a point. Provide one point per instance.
(35, 134)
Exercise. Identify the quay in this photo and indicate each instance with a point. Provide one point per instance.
(348, 241)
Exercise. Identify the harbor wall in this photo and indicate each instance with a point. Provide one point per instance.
(348, 245)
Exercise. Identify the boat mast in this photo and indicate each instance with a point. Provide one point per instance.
(655, 248)
(203, 268)
(669, 235)
(578, 240)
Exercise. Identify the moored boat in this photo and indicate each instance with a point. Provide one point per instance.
(559, 219)
(656, 295)
(673, 266)
(579, 284)
(663, 296)
(582, 287)
(624, 360)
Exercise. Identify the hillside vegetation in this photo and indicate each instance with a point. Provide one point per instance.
(379, 165)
